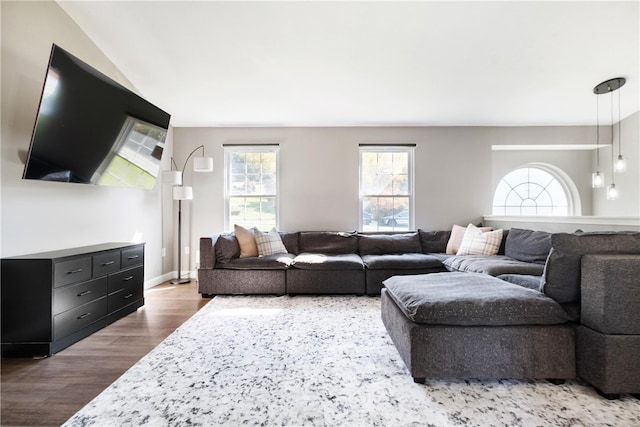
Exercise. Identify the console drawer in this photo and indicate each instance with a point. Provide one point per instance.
(73, 320)
(124, 297)
(106, 263)
(132, 256)
(75, 270)
(125, 279)
(76, 295)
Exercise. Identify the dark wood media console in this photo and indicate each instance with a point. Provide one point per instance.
(51, 300)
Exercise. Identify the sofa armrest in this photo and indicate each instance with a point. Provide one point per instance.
(610, 293)
(208, 252)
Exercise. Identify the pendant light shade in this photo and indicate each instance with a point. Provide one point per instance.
(612, 192)
(621, 164)
(597, 180)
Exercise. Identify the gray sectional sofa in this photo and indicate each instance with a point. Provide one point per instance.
(322, 262)
(554, 306)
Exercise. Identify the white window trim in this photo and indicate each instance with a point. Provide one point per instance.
(574, 206)
(258, 148)
(388, 148)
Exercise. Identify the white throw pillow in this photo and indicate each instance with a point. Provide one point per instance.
(269, 243)
(476, 242)
(457, 233)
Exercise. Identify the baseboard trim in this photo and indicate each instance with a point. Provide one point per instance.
(148, 284)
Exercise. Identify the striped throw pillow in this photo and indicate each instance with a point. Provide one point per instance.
(269, 243)
(475, 242)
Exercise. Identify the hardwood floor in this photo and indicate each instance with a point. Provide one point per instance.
(46, 392)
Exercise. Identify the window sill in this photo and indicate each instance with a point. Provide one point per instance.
(564, 223)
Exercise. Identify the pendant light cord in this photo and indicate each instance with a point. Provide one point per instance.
(613, 165)
(597, 133)
(619, 127)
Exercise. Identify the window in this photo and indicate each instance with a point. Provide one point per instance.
(386, 188)
(533, 191)
(252, 186)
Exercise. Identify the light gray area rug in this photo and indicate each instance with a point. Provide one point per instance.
(320, 361)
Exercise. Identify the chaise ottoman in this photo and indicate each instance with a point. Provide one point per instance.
(467, 325)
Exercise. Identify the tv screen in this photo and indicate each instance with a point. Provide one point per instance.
(90, 129)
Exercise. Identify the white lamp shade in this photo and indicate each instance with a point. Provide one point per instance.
(203, 164)
(612, 192)
(181, 192)
(172, 177)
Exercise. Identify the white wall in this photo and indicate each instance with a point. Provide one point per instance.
(456, 172)
(40, 216)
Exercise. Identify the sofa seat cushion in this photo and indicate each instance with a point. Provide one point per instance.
(493, 265)
(525, 280)
(268, 262)
(312, 261)
(401, 261)
(472, 300)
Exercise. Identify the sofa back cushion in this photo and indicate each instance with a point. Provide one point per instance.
(528, 245)
(227, 247)
(434, 241)
(328, 242)
(379, 244)
(561, 277)
(290, 240)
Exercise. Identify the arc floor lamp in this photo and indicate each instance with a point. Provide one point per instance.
(183, 192)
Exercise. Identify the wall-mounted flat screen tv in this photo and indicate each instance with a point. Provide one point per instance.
(90, 129)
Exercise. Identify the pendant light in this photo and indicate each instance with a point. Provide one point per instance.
(620, 165)
(612, 191)
(597, 179)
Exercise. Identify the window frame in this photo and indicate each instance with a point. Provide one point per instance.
(566, 183)
(388, 148)
(248, 148)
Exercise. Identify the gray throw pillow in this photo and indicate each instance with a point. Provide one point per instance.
(227, 247)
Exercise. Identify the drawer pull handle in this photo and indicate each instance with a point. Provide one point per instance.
(82, 316)
(133, 256)
(126, 279)
(104, 264)
(78, 270)
(87, 292)
(127, 296)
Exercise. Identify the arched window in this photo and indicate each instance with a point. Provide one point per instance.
(534, 190)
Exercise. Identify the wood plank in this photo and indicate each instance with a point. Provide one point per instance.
(46, 392)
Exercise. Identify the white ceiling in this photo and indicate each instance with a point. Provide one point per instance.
(370, 63)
